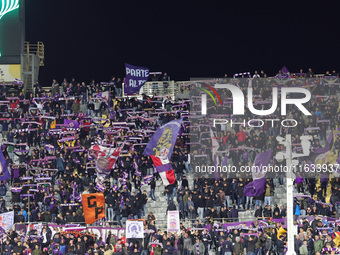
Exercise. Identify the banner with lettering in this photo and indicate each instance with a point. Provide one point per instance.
(100, 231)
(173, 221)
(94, 207)
(135, 78)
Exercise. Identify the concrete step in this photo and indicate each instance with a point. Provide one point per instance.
(246, 215)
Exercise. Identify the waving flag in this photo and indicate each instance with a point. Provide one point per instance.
(164, 169)
(256, 187)
(7, 220)
(160, 149)
(104, 95)
(328, 146)
(284, 70)
(107, 99)
(106, 157)
(71, 123)
(4, 173)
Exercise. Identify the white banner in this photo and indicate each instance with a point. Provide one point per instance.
(134, 229)
(7, 220)
(173, 221)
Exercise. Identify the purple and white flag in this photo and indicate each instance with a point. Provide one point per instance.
(16, 189)
(147, 179)
(135, 78)
(71, 123)
(7, 220)
(173, 221)
(160, 149)
(257, 186)
(49, 146)
(104, 95)
(100, 187)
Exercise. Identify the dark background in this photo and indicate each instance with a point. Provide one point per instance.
(93, 39)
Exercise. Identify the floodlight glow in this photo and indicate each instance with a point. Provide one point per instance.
(8, 6)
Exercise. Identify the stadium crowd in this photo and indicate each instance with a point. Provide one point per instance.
(51, 167)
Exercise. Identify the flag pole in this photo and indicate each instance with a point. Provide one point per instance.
(29, 201)
(291, 163)
(290, 198)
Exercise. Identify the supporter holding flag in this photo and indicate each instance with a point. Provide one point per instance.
(160, 149)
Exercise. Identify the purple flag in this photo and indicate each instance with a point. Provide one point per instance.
(256, 187)
(163, 140)
(328, 145)
(284, 70)
(71, 123)
(135, 78)
(319, 151)
(4, 173)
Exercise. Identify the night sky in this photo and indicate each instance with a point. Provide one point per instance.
(93, 39)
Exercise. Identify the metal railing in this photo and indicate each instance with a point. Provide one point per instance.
(37, 49)
(98, 223)
(153, 88)
(159, 88)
